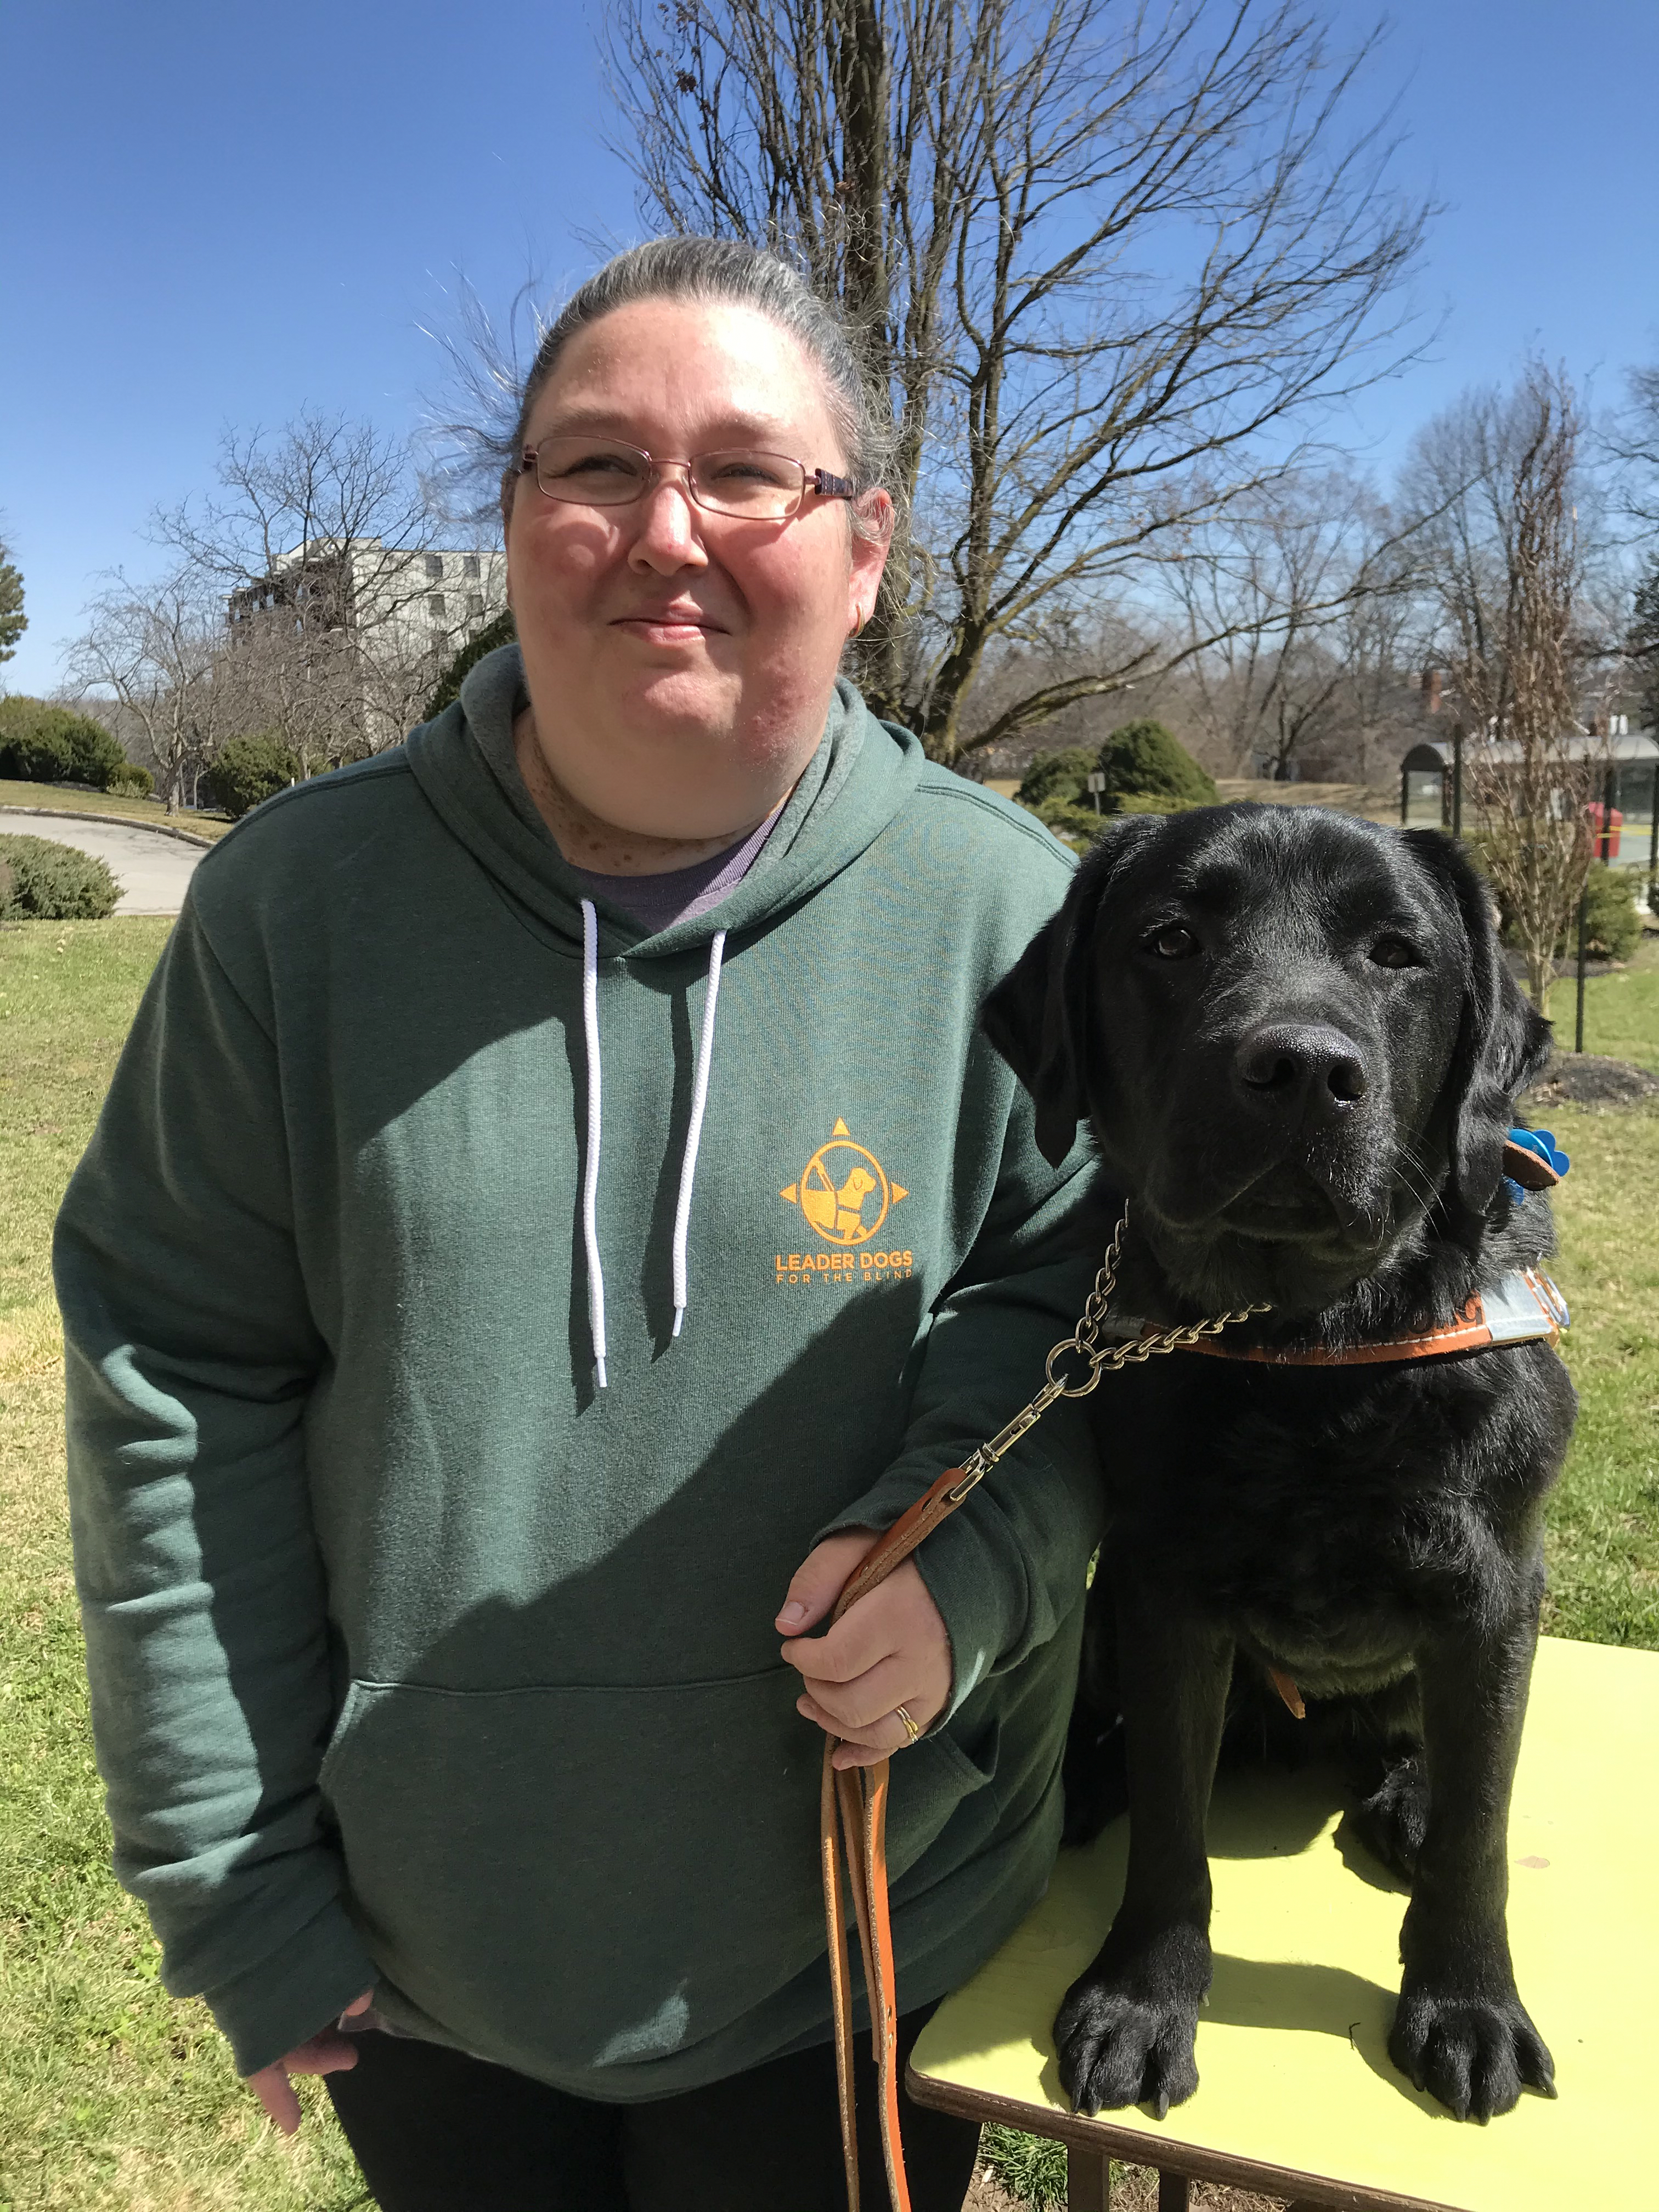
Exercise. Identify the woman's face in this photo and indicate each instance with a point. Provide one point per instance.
(680, 663)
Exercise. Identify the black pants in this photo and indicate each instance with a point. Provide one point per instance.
(435, 2131)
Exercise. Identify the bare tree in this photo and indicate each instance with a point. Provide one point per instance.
(1102, 257)
(317, 541)
(1631, 443)
(1633, 446)
(154, 649)
(1498, 477)
(1301, 587)
(301, 686)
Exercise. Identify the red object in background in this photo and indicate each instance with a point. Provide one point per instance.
(1606, 835)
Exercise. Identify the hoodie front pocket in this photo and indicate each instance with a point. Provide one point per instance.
(581, 1876)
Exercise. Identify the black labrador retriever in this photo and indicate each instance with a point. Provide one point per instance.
(1298, 1047)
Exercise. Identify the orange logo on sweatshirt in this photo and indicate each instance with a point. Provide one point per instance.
(844, 1193)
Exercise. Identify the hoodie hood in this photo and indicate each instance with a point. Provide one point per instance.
(858, 780)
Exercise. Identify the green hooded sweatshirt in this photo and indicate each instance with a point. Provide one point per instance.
(421, 1658)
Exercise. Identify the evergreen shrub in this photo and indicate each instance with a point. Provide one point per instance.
(43, 743)
(1611, 919)
(246, 770)
(1612, 927)
(95, 755)
(502, 631)
(1063, 776)
(130, 781)
(38, 756)
(41, 881)
(1143, 760)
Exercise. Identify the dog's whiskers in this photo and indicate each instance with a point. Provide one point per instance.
(1414, 1174)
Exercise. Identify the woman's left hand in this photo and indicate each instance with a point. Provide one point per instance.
(890, 1649)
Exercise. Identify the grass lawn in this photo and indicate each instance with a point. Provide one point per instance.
(71, 800)
(113, 2096)
(110, 2095)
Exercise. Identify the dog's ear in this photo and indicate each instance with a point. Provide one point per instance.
(1024, 1018)
(1503, 1042)
(1037, 1016)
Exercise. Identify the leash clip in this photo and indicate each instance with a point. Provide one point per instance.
(979, 1461)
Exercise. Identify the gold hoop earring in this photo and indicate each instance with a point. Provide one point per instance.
(858, 627)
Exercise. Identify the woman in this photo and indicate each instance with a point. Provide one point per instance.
(553, 1206)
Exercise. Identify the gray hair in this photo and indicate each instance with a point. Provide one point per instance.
(731, 271)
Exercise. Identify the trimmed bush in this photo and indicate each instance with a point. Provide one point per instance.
(1063, 775)
(130, 781)
(1612, 927)
(17, 715)
(43, 743)
(41, 881)
(43, 755)
(95, 755)
(246, 770)
(1143, 760)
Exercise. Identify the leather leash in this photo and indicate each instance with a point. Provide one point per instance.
(855, 1802)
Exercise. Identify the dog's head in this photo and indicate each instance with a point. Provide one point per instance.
(1292, 1033)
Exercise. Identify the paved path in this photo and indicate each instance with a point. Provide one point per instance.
(152, 870)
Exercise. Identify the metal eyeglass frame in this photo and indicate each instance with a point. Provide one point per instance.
(820, 483)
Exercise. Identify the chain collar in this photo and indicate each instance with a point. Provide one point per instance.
(1098, 1359)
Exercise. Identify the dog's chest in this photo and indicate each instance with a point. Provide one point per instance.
(1314, 1509)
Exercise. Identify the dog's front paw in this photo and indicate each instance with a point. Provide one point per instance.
(1125, 2033)
(1475, 2053)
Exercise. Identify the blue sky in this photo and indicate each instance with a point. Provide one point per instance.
(223, 214)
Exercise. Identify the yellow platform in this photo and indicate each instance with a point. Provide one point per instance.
(1296, 2096)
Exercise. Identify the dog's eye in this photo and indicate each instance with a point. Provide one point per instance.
(1172, 942)
(1394, 952)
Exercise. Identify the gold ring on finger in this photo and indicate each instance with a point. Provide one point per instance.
(911, 1730)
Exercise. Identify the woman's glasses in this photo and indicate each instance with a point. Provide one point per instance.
(602, 472)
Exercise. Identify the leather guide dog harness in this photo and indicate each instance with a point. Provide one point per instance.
(852, 1806)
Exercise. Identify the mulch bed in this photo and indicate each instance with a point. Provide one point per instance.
(1591, 1079)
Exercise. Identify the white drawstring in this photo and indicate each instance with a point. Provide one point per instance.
(694, 1130)
(595, 1123)
(591, 1164)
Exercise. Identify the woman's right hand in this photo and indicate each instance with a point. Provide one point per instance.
(328, 2052)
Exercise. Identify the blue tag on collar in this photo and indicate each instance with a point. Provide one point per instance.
(1532, 1162)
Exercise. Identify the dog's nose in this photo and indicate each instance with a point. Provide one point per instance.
(1306, 1065)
